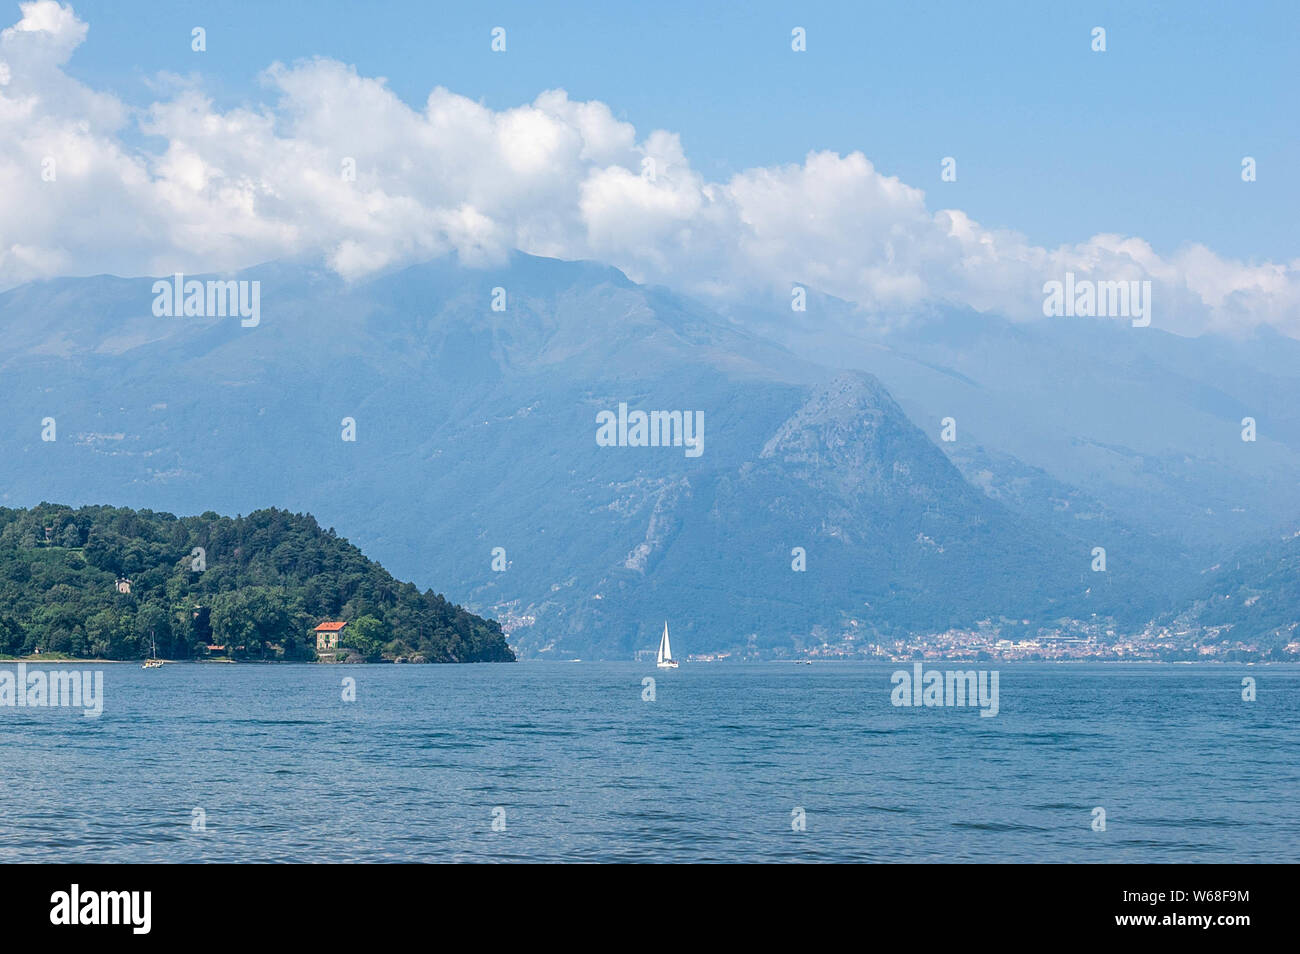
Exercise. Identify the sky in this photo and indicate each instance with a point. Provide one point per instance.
(821, 166)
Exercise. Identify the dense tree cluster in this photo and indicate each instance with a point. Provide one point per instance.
(255, 584)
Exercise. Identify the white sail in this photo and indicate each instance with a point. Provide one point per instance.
(665, 650)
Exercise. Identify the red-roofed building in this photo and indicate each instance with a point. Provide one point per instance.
(327, 636)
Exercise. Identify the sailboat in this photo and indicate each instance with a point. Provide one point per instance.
(153, 662)
(665, 659)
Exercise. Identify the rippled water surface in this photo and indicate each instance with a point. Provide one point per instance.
(284, 770)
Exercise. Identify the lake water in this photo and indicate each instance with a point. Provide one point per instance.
(580, 768)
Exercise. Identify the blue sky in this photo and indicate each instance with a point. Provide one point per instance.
(689, 148)
(1051, 139)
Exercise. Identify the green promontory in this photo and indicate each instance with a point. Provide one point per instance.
(112, 583)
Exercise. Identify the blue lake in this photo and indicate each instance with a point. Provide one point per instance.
(580, 767)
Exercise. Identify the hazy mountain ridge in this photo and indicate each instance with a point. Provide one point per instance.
(476, 431)
(1255, 595)
(1147, 421)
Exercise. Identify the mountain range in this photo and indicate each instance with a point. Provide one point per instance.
(824, 501)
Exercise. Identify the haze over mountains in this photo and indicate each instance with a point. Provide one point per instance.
(476, 430)
(1145, 423)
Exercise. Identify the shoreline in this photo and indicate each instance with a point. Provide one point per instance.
(953, 661)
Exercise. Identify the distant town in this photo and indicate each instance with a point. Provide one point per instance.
(1077, 640)
(1002, 640)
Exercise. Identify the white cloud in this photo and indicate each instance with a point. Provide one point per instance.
(553, 177)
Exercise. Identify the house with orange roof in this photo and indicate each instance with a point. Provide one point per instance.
(327, 636)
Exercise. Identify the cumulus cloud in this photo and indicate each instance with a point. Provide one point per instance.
(218, 190)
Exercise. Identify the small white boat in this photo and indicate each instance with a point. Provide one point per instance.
(664, 658)
(153, 662)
